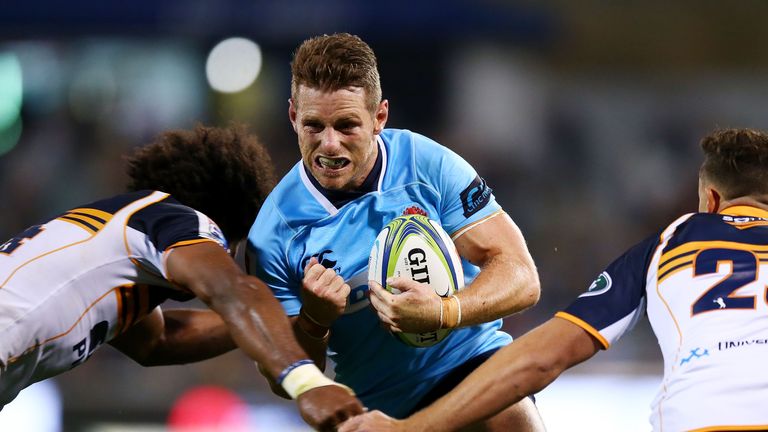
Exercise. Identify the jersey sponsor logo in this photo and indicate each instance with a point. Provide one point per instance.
(475, 196)
(726, 345)
(695, 353)
(600, 285)
(742, 219)
(744, 222)
(83, 350)
(325, 260)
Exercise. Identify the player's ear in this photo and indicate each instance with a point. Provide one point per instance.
(382, 114)
(713, 200)
(292, 114)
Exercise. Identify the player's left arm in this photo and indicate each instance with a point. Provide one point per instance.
(175, 336)
(508, 281)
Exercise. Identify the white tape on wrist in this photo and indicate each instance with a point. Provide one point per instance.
(306, 377)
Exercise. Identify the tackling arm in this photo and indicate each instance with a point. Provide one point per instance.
(175, 336)
(258, 326)
(313, 339)
(524, 367)
(247, 307)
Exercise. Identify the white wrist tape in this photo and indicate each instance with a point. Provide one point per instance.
(307, 377)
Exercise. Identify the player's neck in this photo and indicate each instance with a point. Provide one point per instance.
(757, 201)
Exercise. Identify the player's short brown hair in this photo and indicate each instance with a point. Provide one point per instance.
(334, 62)
(736, 160)
(225, 173)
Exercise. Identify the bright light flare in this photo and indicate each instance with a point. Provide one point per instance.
(233, 65)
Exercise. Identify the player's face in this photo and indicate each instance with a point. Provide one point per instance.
(337, 134)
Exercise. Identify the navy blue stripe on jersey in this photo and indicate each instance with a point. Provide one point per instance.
(686, 263)
(89, 216)
(674, 257)
(81, 221)
(710, 226)
(619, 291)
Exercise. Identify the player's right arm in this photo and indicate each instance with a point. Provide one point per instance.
(257, 324)
(524, 367)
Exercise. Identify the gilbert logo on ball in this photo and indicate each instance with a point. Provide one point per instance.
(415, 246)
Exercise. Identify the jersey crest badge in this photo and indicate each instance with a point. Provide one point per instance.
(415, 210)
(600, 285)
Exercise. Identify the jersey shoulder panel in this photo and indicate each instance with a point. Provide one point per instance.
(411, 157)
(616, 299)
(464, 197)
(168, 223)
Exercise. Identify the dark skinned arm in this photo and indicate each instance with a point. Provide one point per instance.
(255, 322)
(176, 336)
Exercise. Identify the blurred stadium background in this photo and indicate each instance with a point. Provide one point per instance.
(583, 116)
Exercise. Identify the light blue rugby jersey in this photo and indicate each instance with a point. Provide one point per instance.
(297, 222)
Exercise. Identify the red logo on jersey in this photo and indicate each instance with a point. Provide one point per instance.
(414, 210)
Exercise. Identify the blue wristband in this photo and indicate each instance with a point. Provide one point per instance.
(291, 367)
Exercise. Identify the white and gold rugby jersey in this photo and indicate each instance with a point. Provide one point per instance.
(704, 280)
(75, 282)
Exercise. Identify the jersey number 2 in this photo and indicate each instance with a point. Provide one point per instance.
(743, 271)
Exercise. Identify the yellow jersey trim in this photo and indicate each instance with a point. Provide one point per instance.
(744, 210)
(583, 324)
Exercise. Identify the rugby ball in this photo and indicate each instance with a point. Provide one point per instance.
(415, 246)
